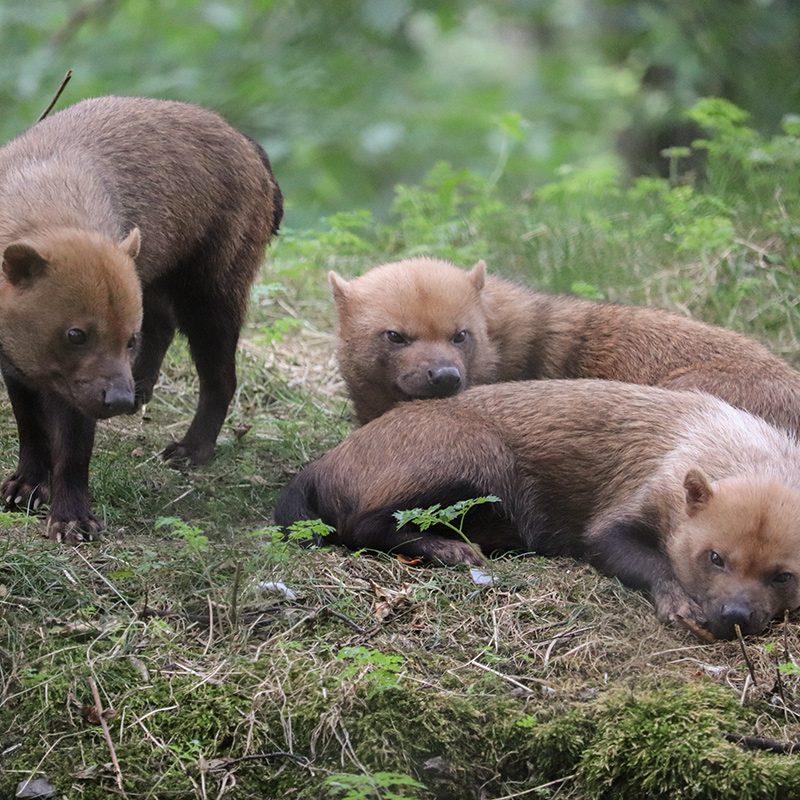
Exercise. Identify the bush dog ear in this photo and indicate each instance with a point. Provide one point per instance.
(22, 264)
(478, 274)
(131, 243)
(340, 288)
(698, 491)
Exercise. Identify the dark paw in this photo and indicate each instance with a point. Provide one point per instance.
(674, 606)
(74, 531)
(22, 495)
(452, 552)
(179, 454)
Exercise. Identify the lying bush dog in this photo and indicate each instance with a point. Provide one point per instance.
(424, 328)
(121, 219)
(675, 493)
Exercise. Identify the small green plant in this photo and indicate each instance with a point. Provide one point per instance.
(374, 786)
(452, 517)
(300, 532)
(380, 671)
(194, 541)
(8, 519)
(784, 667)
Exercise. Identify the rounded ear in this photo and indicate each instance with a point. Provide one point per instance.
(478, 274)
(22, 263)
(698, 491)
(340, 288)
(132, 243)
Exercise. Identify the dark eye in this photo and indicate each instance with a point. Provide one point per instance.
(783, 577)
(460, 337)
(395, 338)
(76, 336)
(133, 341)
(716, 559)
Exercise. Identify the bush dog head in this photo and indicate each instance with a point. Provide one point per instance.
(736, 551)
(84, 293)
(412, 329)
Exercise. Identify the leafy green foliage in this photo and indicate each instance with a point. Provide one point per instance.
(378, 671)
(193, 538)
(425, 518)
(371, 786)
(353, 98)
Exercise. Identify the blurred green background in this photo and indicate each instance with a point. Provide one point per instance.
(350, 97)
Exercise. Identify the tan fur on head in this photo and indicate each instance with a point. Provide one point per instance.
(737, 553)
(412, 329)
(70, 279)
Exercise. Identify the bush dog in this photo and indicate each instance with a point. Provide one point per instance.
(425, 328)
(121, 219)
(674, 493)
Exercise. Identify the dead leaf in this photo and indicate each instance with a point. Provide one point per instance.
(411, 561)
(240, 430)
(389, 600)
(91, 717)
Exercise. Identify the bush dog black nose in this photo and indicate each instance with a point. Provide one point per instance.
(445, 380)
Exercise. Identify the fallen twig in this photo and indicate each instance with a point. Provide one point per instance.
(747, 660)
(237, 576)
(106, 734)
(759, 743)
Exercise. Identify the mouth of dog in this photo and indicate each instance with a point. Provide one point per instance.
(428, 393)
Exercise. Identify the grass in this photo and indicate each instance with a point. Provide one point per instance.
(229, 662)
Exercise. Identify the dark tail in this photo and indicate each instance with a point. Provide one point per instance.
(277, 196)
(298, 500)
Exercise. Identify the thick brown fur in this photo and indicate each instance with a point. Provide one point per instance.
(513, 333)
(124, 219)
(675, 493)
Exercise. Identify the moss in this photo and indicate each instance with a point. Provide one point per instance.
(661, 742)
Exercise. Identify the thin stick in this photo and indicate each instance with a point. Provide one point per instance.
(759, 743)
(538, 788)
(106, 733)
(237, 576)
(61, 88)
(746, 656)
(512, 681)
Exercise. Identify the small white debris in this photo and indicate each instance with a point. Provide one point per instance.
(38, 787)
(480, 578)
(279, 588)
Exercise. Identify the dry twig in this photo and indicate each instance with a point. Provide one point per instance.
(107, 734)
(60, 89)
(746, 655)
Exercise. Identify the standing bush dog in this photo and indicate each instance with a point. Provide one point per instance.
(676, 493)
(121, 219)
(425, 328)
